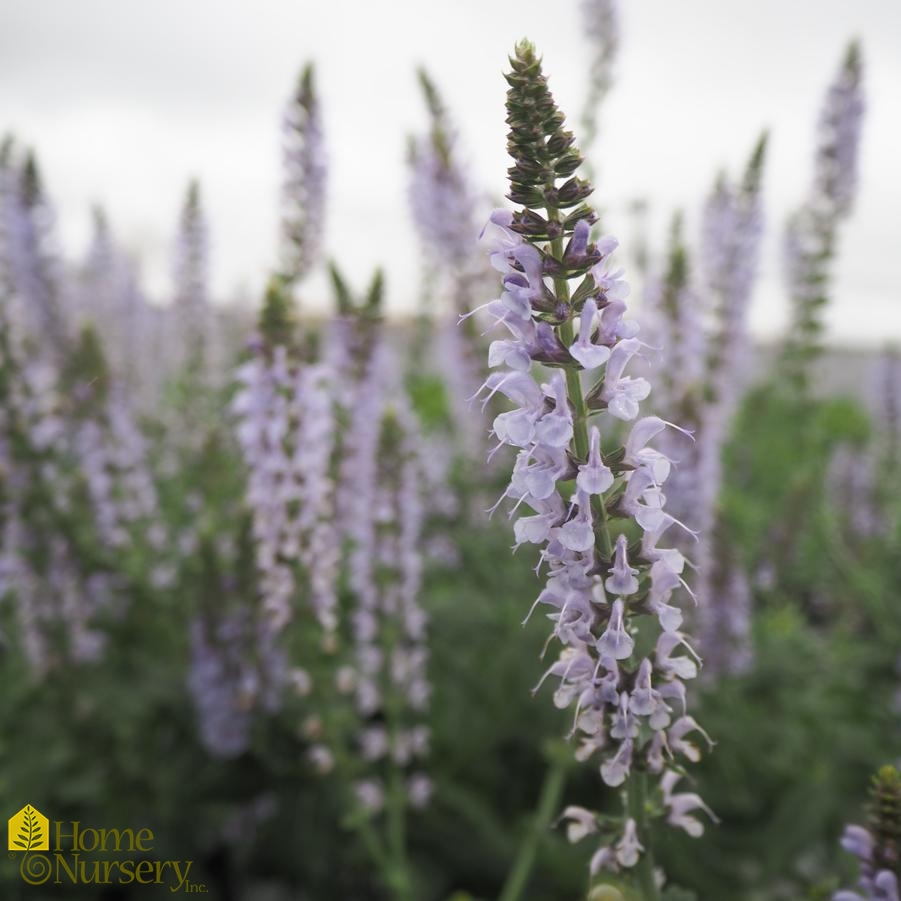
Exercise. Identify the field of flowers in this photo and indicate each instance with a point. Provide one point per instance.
(258, 592)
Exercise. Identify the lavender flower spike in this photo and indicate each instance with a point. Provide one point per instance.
(443, 202)
(304, 185)
(601, 23)
(442, 199)
(812, 232)
(190, 277)
(606, 592)
(732, 232)
(286, 432)
(877, 847)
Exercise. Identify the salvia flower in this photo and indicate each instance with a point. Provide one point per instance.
(444, 205)
(839, 127)
(589, 506)
(305, 176)
(108, 446)
(731, 232)
(391, 687)
(109, 299)
(57, 592)
(390, 627)
(676, 325)
(812, 232)
(887, 406)
(699, 328)
(877, 846)
(33, 254)
(286, 431)
(600, 20)
(381, 515)
(442, 199)
(220, 683)
(190, 276)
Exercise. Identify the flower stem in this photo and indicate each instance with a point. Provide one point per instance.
(548, 801)
(399, 873)
(636, 804)
(577, 396)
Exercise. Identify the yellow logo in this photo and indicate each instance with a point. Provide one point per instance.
(29, 830)
(73, 849)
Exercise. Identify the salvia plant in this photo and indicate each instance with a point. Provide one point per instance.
(596, 508)
(697, 309)
(696, 313)
(444, 205)
(305, 173)
(811, 235)
(286, 435)
(888, 406)
(367, 726)
(390, 654)
(857, 472)
(732, 229)
(251, 543)
(882, 462)
(600, 20)
(109, 299)
(190, 276)
(877, 846)
(72, 456)
(442, 199)
(34, 253)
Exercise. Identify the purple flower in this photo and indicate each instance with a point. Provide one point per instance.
(191, 301)
(601, 590)
(600, 20)
(839, 127)
(221, 685)
(305, 172)
(286, 424)
(812, 232)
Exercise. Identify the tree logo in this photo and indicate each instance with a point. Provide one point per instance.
(29, 830)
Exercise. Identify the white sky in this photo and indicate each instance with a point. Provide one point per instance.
(125, 101)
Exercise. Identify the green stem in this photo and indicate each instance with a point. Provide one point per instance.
(548, 802)
(373, 846)
(636, 804)
(577, 399)
(386, 851)
(399, 872)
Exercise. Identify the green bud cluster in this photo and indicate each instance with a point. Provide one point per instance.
(885, 819)
(543, 152)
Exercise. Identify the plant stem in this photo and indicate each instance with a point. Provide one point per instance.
(373, 846)
(577, 399)
(548, 801)
(399, 873)
(636, 804)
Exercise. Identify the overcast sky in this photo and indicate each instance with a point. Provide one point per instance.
(125, 101)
